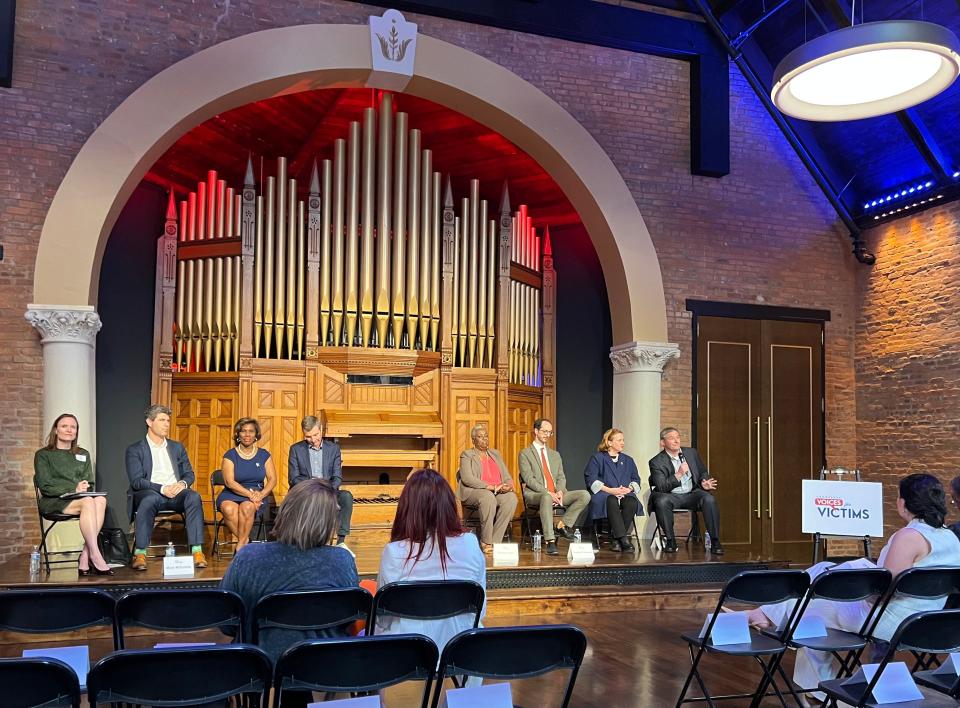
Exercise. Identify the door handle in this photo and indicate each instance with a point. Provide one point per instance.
(757, 510)
(769, 467)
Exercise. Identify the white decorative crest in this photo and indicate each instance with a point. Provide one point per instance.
(64, 324)
(642, 356)
(393, 46)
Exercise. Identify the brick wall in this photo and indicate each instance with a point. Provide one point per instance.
(908, 352)
(762, 234)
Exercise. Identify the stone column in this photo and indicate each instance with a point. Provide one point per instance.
(68, 336)
(637, 370)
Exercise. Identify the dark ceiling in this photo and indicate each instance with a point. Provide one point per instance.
(303, 126)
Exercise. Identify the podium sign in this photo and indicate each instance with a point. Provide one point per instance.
(842, 508)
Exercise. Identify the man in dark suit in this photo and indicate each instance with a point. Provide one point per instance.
(315, 457)
(680, 480)
(160, 477)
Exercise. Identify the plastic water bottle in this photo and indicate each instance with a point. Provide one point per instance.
(577, 538)
(171, 551)
(537, 541)
(34, 561)
(706, 541)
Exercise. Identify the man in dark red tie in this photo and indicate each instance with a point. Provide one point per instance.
(545, 486)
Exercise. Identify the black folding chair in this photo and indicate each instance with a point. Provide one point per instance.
(180, 611)
(531, 515)
(752, 587)
(839, 585)
(507, 653)
(936, 632)
(56, 610)
(929, 583)
(356, 665)
(181, 677)
(427, 600)
(45, 529)
(38, 682)
(310, 610)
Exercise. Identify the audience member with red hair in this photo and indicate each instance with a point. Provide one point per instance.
(428, 542)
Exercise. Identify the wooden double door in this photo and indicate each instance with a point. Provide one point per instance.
(759, 412)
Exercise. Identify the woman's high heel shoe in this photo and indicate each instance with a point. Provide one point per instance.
(96, 571)
(83, 572)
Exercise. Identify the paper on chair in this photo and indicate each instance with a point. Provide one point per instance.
(895, 685)
(359, 702)
(950, 667)
(810, 627)
(730, 628)
(77, 658)
(493, 695)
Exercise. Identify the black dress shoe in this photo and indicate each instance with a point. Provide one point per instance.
(565, 532)
(626, 545)
(717, 550)
(551, 549)
(670, 546)
(615, 546)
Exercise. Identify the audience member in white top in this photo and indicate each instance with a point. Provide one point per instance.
(428, 542)
(923, 541)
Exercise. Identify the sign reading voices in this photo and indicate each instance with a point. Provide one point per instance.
(842, 508)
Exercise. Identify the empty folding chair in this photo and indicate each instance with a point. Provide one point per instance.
(308, 611)
(507, 653)
(356, 665)
(936, 632)
(38, 682)
(56, 610)
(180, 611)
(752, 587)
(181, 677)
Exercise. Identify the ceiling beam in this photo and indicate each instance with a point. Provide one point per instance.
(309, 148)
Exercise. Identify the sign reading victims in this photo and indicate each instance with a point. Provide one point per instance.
(842, 508)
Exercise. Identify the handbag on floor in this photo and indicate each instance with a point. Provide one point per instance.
(113, 545)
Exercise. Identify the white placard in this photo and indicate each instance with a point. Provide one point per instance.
(77, 658)
(810, 627)
(178, 566)
(730, 628)
(895, 685)
(580, 553)
(359, 702)
(950, 667)
(493, 695)
(506, 554)
(842, 508)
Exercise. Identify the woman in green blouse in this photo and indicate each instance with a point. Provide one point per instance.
(62, 467)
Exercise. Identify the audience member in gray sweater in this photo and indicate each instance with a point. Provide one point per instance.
(301, 558)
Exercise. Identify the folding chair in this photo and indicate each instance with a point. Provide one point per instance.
(356, 665)
(530, 516)
(936, 632)
(55, 611)
(45, 529)
(840, 585)
(513, 653)
(752, 587)
(180, 611)
(427, 600)
(310, 610)
(38, 682)
(692, 535)
(181, 677)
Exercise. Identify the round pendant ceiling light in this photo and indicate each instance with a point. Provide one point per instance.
(866, 70)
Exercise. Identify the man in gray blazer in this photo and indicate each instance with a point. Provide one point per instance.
(545, 486)
(315, 457)
(485, 484)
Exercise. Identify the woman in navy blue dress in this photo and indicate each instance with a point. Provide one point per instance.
(249, 476)
(614, 481)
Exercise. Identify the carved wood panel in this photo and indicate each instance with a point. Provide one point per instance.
(473, 401)
(279, 407)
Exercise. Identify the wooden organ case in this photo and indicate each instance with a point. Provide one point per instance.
(373, 297)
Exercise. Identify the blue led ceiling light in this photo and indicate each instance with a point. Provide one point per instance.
(900, 193)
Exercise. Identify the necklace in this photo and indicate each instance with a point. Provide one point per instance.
(247, 457)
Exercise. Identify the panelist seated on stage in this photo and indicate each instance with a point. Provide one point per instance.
(60, 468)
(545, 486)
(160, 477)
(316, 458)
(485, 484)
(680, 480)
(614, 481)
(249, 477)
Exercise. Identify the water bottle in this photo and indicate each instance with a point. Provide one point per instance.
(171, 551)
(537, 541)
(34, 561)
(706, 541)
(577, 538)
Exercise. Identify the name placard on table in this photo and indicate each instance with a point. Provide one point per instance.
(506, 554)
(178, 567)
(580, 553)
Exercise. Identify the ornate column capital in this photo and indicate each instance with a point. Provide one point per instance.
(76, 323)
(642, 356)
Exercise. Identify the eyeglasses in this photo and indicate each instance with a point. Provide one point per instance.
(547, 433)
